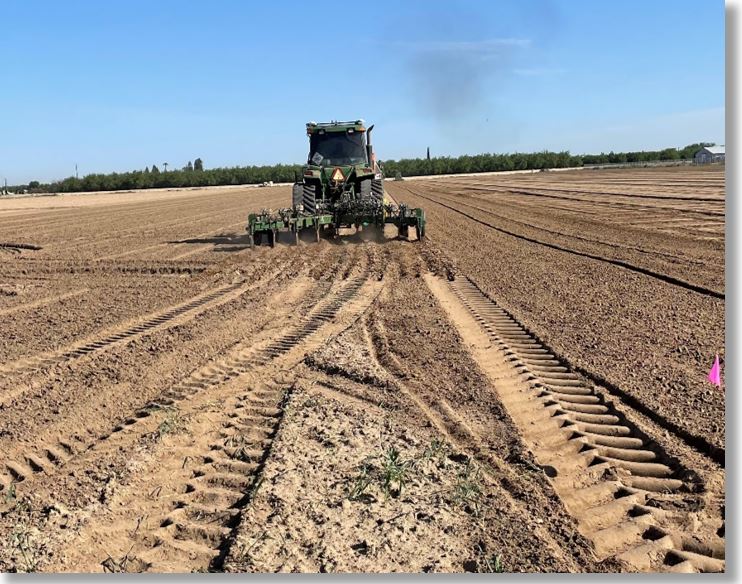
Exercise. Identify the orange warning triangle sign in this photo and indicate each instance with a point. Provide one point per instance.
(337, 175)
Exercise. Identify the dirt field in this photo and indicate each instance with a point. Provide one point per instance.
(524, 390)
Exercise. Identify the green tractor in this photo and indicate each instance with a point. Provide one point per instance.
(342, 185)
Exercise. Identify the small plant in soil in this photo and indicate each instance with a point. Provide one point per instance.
(173, 423)
(117, 566)
(22, 505)
(493, 564)
(393, 473)
(246, 552)
(362, 481)
(22, 541)
(436, 451)
(388, 471)
(10, 494)
(468, 491)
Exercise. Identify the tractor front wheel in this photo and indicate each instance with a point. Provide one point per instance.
(309, 199)
(297, 195)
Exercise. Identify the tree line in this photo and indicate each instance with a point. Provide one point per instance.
(194, 174)
(529, 161)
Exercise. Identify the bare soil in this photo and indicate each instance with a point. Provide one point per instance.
(173, 401)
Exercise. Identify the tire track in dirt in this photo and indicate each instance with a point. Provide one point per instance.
(43, 302)
(64, 267)
(621, 205)
(453, 427)
(196, 517)
(162, 319)
(629, 497)
(619, 263)
(17, 248)
(48, 453)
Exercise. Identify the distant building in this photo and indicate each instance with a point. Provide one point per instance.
(709, 154)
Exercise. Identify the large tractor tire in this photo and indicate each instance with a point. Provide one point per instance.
(297, 195)
(309, 199)
(377, 190)
(372, 190)
(365, 189)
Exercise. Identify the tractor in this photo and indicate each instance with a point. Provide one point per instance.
(341, 186)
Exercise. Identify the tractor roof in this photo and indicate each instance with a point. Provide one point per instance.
(357, 125)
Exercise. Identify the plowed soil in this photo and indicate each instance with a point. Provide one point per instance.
(523, 390)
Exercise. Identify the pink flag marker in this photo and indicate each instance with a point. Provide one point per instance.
(715, 373)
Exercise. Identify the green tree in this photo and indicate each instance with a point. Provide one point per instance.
(198, 165)
(155, 170)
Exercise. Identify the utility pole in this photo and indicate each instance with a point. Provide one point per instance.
(76, 170)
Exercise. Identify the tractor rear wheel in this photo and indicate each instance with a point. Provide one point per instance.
(364, 188)
(309, 199)
(377, 189)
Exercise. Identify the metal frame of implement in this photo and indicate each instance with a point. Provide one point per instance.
(269, 223)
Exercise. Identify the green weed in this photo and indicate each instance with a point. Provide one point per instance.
(173, 423)
(10, 494)
(362, 481)
(436, 450)
(468, 490)
(22, 541)
(393, 472)
(494, 564)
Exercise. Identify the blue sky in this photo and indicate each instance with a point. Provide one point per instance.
(120, 85)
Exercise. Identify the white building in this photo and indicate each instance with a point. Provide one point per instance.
(709, 154)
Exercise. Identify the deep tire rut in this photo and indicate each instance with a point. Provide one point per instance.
(629, 497)
(223, 478)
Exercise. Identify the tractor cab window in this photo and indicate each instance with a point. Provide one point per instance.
(337, 149)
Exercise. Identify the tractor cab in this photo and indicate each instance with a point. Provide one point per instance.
(337, 147)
